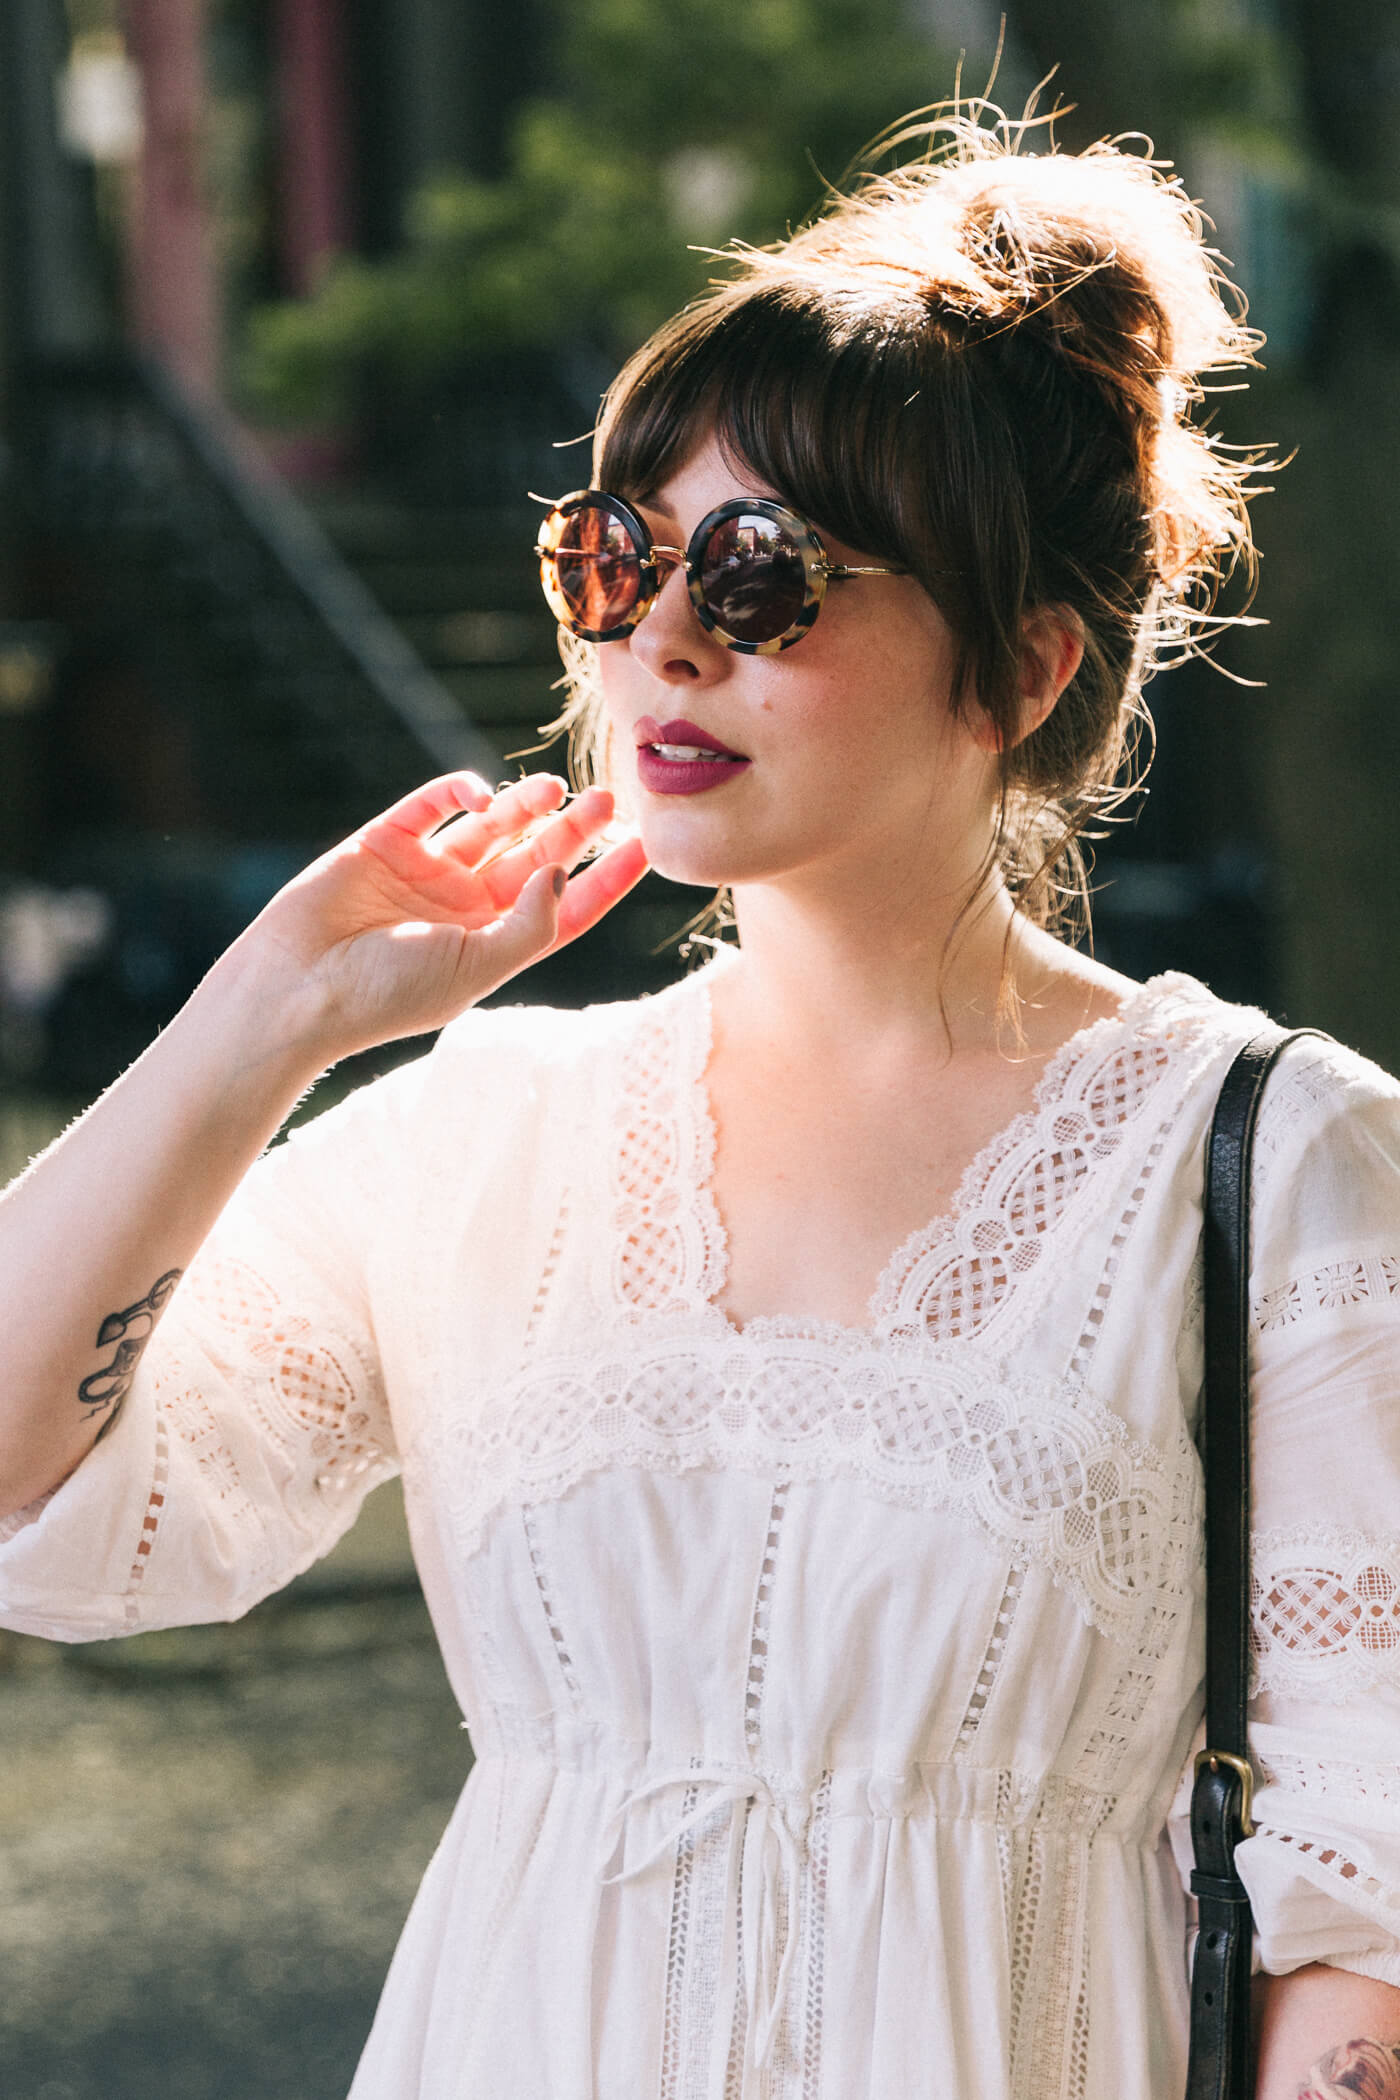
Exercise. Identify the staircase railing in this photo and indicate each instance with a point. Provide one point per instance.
(115, 462)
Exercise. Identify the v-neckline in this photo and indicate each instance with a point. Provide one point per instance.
(937, 1233)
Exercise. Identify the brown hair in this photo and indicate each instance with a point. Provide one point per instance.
(980, 368)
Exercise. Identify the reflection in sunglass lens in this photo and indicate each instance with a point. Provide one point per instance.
(597, 569)
(752, 578)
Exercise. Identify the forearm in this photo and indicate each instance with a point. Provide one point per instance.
(94, 1236)
(1305, 2022)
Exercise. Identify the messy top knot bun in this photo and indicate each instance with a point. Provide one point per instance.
(982, 368)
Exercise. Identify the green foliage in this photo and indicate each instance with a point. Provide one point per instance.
(674, 127)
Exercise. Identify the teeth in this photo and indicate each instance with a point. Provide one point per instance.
(687, 753)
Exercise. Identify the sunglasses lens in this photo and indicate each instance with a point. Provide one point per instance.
(597, 571)
(752, 578)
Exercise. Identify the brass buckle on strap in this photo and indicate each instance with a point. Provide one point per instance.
(1244, 1772)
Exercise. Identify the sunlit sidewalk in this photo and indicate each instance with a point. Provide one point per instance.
(209, 1839)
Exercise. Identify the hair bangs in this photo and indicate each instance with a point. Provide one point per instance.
(818, 406)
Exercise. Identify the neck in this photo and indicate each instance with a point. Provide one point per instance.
(851, 978)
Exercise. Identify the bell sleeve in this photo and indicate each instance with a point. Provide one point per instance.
(257, 1420)
(1323, 1868)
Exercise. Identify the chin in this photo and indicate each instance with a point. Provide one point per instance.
(695, 869)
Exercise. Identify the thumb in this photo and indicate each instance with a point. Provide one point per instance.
(528, 929)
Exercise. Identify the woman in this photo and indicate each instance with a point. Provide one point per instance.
(827, 1617)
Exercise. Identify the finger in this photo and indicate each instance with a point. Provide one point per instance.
(435, 803)
(475, 837)
(564, 839)
(593, 893)
(526, 932)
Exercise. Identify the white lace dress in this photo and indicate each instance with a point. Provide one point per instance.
(829, 1687)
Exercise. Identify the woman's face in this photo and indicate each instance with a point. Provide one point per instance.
(849, 764)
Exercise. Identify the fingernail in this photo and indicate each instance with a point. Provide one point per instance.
(558, 879)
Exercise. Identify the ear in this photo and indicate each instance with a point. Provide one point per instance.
(1052, 649)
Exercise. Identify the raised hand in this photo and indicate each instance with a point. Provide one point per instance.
(436, 902)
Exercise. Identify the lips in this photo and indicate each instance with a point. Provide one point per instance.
(682, 735)
(680, 758)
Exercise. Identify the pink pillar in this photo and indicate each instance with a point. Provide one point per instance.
(173, 287)
(313, 147)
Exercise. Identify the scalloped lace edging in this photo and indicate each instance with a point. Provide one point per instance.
(1042, 1469)
(948, 1279)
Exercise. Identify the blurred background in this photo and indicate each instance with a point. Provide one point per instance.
(299, 300)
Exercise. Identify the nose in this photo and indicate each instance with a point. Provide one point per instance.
(670, 642)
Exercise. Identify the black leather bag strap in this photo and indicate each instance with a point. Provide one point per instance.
(1221, 2066)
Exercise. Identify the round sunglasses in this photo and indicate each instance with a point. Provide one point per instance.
(756, 572)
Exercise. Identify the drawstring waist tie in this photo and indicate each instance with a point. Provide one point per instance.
(767, 1850)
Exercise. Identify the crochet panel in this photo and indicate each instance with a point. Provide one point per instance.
(1042, 1469)
(304, 1386)
(1326, 1612)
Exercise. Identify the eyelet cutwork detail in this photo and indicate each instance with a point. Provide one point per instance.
(1334, 1779)
(1100, 1766)
(1334, 1287)
(1325, 1612)
(992, 1659)
(551, 1618)
(1132, 1210)
(758, 1638)
(548, 1272)
(1043, 1469)
(150, 1523)
(1336, 1863)
(1077, 2086)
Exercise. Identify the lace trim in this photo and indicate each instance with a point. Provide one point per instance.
(734, 2077)
(704, 1957)
(1049, 1942)
(949, 1279)
(1337, 1285)
(677, 1948)
(668, 1242)
(818, 1855)
(1043, 1469)
(1325, 1611)
(952, 1276)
